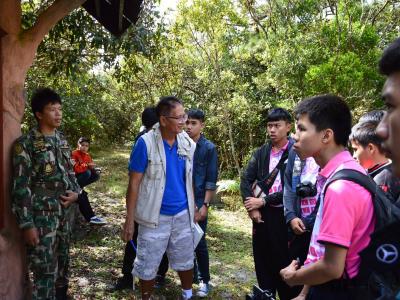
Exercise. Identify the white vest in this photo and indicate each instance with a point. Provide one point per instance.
(152, 187)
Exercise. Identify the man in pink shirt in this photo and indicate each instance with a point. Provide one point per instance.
(270, 236)
(345, 217)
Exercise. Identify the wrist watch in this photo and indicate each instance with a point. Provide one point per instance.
(207, 204)
(264, 201)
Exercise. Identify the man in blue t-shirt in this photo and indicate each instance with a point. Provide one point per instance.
(160, 198)
(149, 118)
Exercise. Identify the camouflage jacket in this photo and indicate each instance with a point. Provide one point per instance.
(43, 171)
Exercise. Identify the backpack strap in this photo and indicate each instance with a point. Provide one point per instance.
(269, 180)
(385, 211)
(355, 176)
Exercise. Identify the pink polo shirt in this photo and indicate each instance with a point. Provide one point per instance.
(274, 158)
(345, 216)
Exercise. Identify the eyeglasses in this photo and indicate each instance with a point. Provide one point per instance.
(182, 118)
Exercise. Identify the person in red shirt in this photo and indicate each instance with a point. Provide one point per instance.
(84, 167)
(86, 173)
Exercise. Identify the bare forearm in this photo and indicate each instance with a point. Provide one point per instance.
(305, 290)
(317, 273)
(131, 199)
(209, 195)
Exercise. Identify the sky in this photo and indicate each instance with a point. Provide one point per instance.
(169, 8)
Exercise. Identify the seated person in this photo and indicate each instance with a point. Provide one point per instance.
(368, 152)
(84, 167)
(86, 173)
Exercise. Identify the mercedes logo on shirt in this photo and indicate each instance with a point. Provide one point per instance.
(387, 253)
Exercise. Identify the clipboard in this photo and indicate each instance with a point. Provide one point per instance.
(197, 234)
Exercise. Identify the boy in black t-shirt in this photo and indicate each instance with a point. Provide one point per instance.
(368, 152)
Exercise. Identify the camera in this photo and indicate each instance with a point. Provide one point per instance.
(259, 294)
(306, 189)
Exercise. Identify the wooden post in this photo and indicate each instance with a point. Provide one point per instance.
(2, 190)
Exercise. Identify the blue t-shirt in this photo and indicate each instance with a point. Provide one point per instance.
(174, 199)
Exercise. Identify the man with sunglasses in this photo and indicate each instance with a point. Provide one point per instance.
(160, 198)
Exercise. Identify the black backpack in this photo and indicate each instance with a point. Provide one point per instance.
(380, 260)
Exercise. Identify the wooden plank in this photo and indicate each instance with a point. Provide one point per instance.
(2, 188)
(121, 4)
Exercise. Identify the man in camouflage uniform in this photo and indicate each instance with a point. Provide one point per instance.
(44, 187)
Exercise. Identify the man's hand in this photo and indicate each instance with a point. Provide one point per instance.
(31, 236)
(303, 294)
(70, 198)
(203, 211)
(128, 229)
(252, 203)
(197, 215)
(288, 273)
(91, 165)
(297, 226)
(255, 216)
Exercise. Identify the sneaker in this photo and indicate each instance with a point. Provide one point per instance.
(97, 221)
(122, 283)
(160, 282)
(183, 297)
(204, 289)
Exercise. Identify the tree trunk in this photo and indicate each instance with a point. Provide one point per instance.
(233, 151)
(15, 63)
(18, 50)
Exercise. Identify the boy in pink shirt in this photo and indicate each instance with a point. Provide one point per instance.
(345, 217)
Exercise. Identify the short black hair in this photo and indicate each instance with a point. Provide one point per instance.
(365, 133)
(278, 114)
(149, 117)
(41, 97)
(390, 60)
(166, 104)
(328, 111)
(374, 116)
(197, 114)
(83, 139)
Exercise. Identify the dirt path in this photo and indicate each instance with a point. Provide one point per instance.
(96, 254)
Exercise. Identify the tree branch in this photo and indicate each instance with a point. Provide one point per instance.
(379, 12)
(255, 18)
(10, 16)
(49, 18)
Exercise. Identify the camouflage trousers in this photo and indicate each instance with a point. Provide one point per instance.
(48, 261)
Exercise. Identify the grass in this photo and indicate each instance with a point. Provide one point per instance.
(97, 252)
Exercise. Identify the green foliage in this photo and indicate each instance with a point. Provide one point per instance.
(79, 40)
(233, 59)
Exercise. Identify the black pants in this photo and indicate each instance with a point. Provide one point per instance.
(130, 255)
(298, 246)
(338, 290)
(87, 177)
(271, 254)
(201, 268)
(84, 206)
(84, 179)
